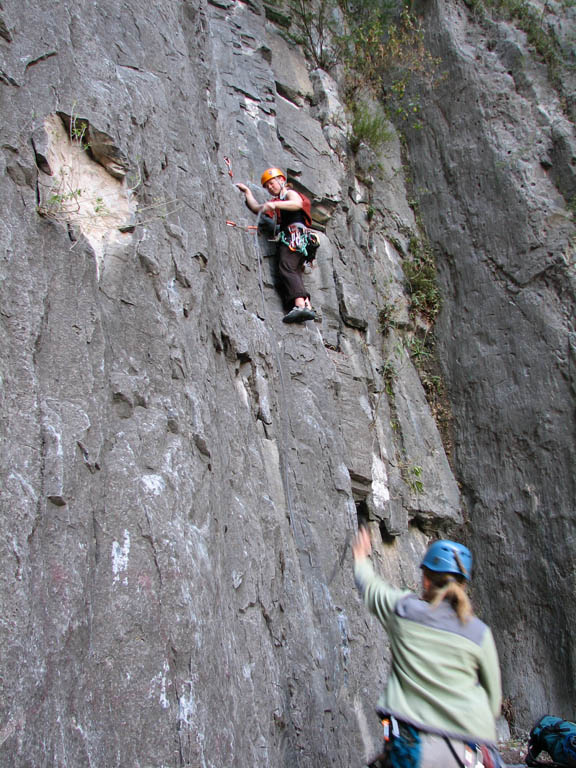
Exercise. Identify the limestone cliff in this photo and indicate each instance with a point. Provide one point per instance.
(496, 170)
(182, 472)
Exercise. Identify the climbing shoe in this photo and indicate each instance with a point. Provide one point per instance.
(308, 314)
(299, 315)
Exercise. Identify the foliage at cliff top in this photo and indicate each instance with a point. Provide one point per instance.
(379, 43)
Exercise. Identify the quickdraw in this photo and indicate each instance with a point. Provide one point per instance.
(252, 228)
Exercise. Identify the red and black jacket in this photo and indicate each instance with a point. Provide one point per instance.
(301, 216)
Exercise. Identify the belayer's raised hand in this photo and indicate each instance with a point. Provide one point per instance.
(361, 546)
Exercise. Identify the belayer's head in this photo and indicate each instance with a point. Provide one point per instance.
(273, 180)
(446, 567)
(445, 556)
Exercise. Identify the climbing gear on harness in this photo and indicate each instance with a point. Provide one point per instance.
(300, 240)
(388, 723)
(295, 238)
(312, 245)
(407, 747)
(271, 173)
(401, 745)
(299, 315)
(446, 556)
(473, 755)
(555, 736)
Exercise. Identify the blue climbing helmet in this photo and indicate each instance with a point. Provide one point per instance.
(448, 557)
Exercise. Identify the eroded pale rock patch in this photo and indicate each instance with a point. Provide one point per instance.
(78, 191)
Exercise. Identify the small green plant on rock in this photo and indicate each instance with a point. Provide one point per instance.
(386, 317)
(369, 126)
(417, 348)
(432, 383)
(78, 131)
(100, 208)
(413, 475)
(389, 374)
(63, 200)
(421, 282)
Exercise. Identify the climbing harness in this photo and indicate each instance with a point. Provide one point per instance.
(405, 745)
(294, 238)
(301, 240)
(296, 235)
(401, 745)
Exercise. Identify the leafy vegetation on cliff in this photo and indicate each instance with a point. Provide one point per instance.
(380, 48)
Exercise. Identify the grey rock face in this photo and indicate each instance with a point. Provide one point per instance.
(495, 164)
(182, 472)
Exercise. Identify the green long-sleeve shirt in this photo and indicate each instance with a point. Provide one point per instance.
(445, 676)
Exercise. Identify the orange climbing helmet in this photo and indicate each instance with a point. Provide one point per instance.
(271, 173)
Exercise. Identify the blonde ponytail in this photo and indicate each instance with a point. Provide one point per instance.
(447, 586)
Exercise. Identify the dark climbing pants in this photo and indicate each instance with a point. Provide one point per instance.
(290, 273)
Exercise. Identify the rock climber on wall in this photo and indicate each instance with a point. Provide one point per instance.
(293, 214)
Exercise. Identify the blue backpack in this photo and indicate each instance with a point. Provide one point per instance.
(555, 736)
